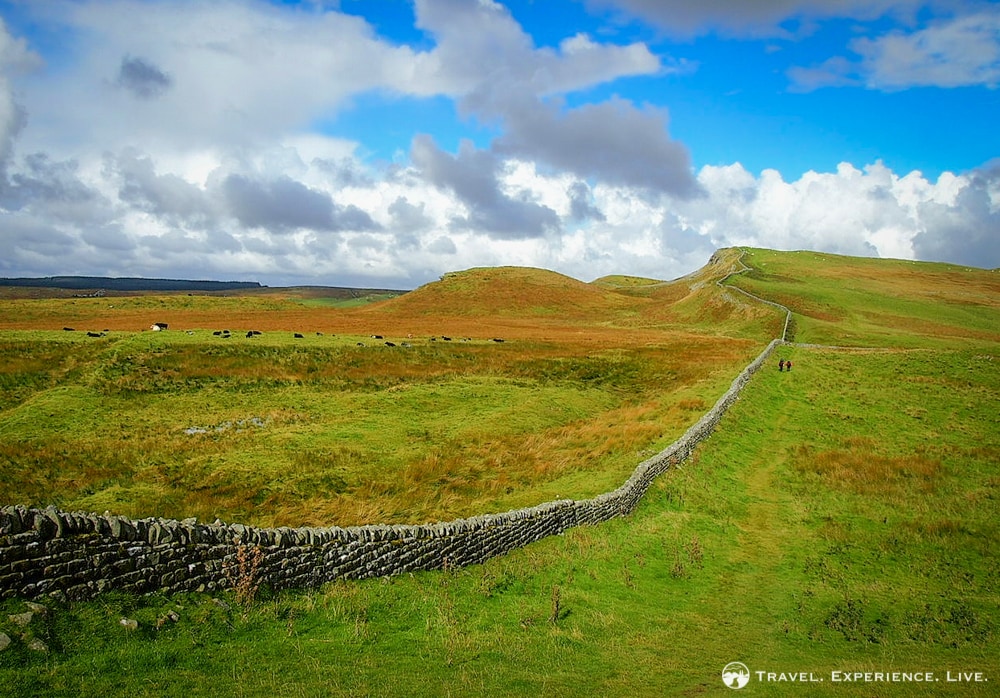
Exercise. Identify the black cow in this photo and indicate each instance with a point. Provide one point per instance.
(299, 336)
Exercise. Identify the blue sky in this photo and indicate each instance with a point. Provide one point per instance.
(386, 143)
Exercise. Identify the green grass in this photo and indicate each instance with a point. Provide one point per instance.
(320, 431)
(759, 549)
(857, 301)
(343, 303)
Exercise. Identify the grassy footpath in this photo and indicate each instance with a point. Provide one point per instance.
(843, 518)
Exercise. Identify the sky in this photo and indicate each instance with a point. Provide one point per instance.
(385, 143)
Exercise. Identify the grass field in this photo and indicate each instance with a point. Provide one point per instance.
(759, 550)
(842, 518)
(336, 427)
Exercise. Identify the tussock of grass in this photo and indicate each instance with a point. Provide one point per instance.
(860, 467)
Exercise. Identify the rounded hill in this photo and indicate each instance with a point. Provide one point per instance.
(509, 292)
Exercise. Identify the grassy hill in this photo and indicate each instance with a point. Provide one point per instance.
(859, 301)
(843, 517)
(508, 291)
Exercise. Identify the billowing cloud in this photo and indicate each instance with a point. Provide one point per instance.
(408, 217)
(472, 176)
(168, 196)
(869, 212)
(283, 204)
(965, 229)
(613, 141)
(471, 36)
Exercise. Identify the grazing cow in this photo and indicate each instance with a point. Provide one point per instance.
(217, 333)
(299, 336)
(361, 344)
(68, 329)
(447, 339)
(389, 344)
(496, 339)
(319, 334)
(249, 334)
(376, 336)
(157, 326)
(434, 339)
(94, 334)
(405, 344)
(256, 331)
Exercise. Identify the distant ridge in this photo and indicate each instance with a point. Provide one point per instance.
(127, 283)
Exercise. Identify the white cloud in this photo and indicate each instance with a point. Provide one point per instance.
(956, 52)
(869, 212)
(962, 51)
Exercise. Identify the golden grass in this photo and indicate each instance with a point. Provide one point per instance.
(859, 466)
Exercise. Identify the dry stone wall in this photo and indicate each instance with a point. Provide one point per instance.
(48, 552)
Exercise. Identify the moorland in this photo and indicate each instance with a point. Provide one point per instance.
(842, 517)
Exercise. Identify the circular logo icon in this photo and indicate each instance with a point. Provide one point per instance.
(735, 675)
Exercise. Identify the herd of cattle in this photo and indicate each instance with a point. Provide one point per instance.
(226, 334)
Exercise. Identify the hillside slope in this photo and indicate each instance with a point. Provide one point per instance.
(860, 301)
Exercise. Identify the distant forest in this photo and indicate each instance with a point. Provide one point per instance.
(127, 283)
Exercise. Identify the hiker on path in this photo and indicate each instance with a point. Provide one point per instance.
(788, 365)
(781, 365)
